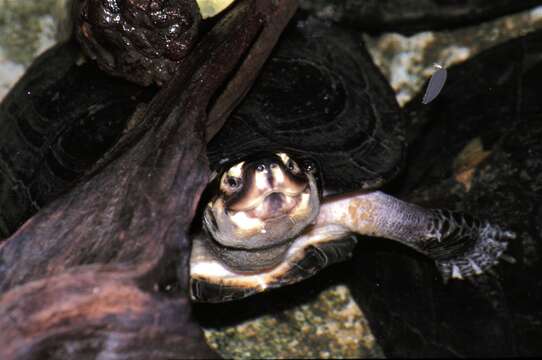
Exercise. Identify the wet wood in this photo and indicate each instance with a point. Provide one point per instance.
(103, 271)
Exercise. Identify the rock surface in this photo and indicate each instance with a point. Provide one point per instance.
(316, 318)
(408, 61)
(27, 28)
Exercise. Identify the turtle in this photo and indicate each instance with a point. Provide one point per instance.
(298, 169)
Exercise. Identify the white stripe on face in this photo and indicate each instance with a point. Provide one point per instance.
(283, 157)
(262, 183)
(242, 221)
(237, 170)
(278, 175)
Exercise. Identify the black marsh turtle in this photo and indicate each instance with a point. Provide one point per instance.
(298, 165)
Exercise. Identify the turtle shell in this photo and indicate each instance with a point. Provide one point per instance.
(55, 123)
(321, 99)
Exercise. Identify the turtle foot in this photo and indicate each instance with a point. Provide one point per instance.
(490, 241)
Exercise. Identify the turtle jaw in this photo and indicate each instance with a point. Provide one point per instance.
(273, 206)
(272, 222)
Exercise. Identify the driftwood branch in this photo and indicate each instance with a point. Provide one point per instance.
(85, 277)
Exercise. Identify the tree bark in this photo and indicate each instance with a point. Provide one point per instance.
(90, 276)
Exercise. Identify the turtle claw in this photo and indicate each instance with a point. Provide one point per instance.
(485, 248)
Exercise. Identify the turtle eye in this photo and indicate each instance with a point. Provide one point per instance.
(233, 182)
(292, 166)
(309, 166)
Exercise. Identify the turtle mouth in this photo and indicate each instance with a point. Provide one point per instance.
(274, 204)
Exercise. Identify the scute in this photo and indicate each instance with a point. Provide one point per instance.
(59, 119)
(321, 98)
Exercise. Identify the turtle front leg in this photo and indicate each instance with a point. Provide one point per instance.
(461, 245)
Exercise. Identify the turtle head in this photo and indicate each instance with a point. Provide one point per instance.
(261, 209)
(262, 203)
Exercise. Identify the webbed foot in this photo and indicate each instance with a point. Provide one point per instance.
(463, 246)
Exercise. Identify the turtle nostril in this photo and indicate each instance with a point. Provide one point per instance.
(260, 168)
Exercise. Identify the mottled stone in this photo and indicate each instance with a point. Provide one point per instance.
(328, 326)
(407, 61)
